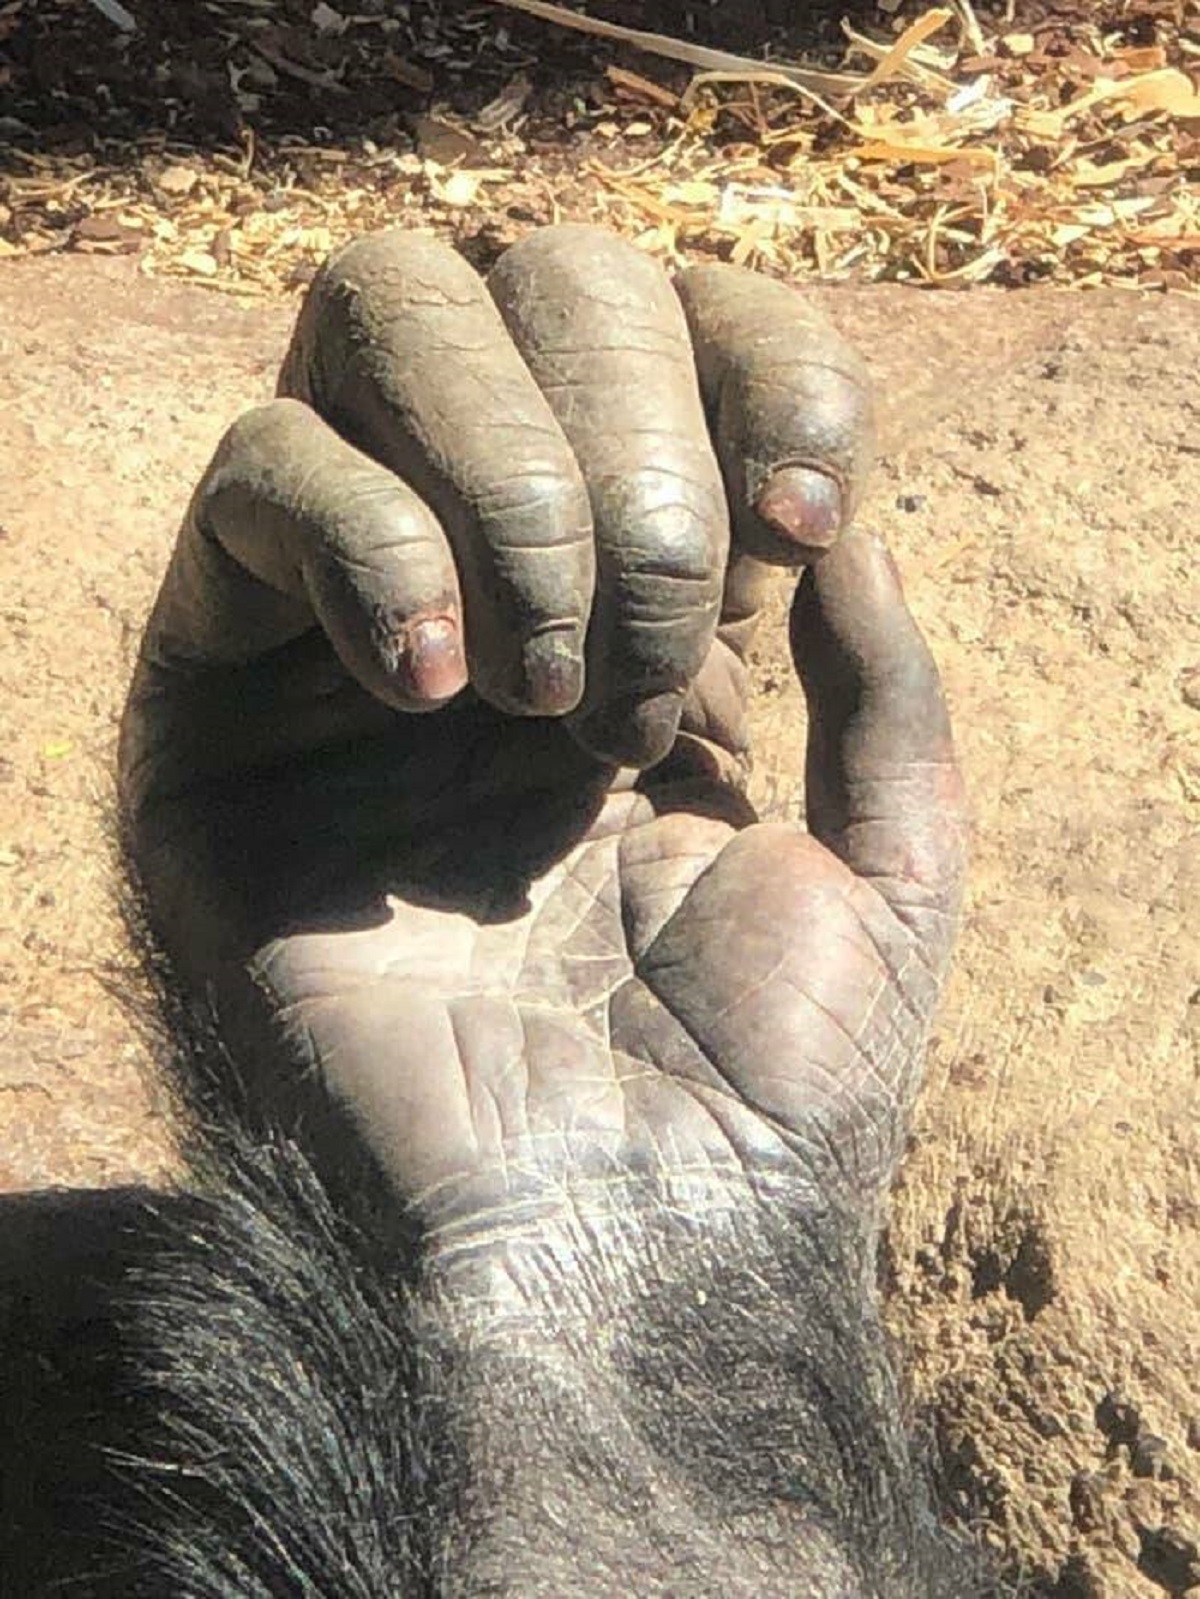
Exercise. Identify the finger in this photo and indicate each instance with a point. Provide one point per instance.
(790, 406)
(400, 348)
(604, 336)
(884, 791)
(718, 701)
(748, 586)
(320, 531)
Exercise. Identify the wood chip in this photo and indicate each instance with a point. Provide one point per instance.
(949, 147)
(177, 181)
(199, 262)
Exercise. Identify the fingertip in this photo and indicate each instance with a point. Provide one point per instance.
(860, 577)
(553, 667)
(791, 406)
(864, 663)
(850, 607)
(629, 731)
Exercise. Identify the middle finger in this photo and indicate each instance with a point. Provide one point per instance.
(602, 331)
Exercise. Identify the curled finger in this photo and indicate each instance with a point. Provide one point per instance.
(602, 332)
(790, 406)
(400, 348)
(311, 529)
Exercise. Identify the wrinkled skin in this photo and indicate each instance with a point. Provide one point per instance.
(432, 761)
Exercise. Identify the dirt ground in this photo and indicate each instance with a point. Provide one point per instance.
(1040, 491)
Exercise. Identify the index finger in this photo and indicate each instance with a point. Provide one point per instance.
(790, 406)
(401, 349)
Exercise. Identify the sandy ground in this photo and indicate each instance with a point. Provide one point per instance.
(1040, 491)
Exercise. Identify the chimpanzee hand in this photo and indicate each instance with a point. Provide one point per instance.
(537, 925)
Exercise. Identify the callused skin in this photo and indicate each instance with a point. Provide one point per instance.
(431, 772)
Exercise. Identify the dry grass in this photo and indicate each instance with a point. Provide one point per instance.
(946, 147)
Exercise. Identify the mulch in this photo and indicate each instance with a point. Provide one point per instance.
(235, 142)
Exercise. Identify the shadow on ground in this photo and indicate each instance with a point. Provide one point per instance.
(63, 1257)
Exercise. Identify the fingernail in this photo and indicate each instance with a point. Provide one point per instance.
(431, 662)
(553, 667)
(802, 505)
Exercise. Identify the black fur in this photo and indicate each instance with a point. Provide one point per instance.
(674, 1405)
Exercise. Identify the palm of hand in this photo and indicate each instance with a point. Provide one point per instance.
(650, 980)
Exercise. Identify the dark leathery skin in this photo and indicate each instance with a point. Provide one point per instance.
(312, 518)
(400, 347)
(597, 322)
(791, 408)
(883, 787)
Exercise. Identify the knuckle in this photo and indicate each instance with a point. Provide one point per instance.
(267, 434)
(534, 506)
